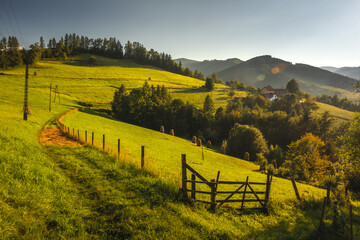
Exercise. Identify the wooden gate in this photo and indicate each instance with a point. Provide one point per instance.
(247, 195)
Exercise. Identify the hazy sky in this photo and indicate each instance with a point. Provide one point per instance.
(317, 32)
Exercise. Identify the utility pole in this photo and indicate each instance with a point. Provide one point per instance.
(50, 99)
(26, 105)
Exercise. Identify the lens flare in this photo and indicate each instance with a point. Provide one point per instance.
(279, 68)
(261, 77)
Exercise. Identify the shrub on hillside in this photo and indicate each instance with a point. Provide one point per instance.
(209, 83)
(244, 138)
(93, 61)
(307, 159)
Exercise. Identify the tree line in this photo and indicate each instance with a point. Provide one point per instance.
(72, 44)
(343, 103)
(304, 145)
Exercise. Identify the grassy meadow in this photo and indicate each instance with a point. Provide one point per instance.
(53, 192)
(338, 113)
(97, 84)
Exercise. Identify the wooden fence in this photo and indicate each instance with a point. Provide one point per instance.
(248, 194)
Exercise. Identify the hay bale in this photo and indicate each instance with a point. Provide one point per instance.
(274, 163)
(208, 144)
(172, 133)
(247, 156)
(35, 73)
(223, 149)
(199, 142)
(194, 140)
(162, 129)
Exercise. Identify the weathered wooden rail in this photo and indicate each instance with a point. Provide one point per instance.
(245, 191)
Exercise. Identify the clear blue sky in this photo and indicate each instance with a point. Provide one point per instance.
(317, 32)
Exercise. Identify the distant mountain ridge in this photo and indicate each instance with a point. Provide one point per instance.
(208, 66)
(266, 70)
(353, 72)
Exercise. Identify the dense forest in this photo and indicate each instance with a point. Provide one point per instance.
(71, 44)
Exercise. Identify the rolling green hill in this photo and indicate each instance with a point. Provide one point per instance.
(64, 192)
(265, 70)
(97, 84)
(338, 113)
(209, 66)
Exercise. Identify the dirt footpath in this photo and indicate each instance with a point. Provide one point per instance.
(53, 136)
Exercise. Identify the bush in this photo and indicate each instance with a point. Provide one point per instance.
(231, 93)
(209, 83)
(261, 161)
(244, 138)
(93, 61)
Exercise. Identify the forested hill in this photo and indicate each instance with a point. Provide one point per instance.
(208, 66)
(266, 70)
(352, 72)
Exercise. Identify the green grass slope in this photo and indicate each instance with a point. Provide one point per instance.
(97, 84)
(163, 154)
(80, 193)
(336, 112)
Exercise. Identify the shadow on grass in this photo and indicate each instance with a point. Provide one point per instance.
(192, 90)
(98, 112)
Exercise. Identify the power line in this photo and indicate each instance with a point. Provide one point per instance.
(17, 25)
(2, 36)
(3, 23)
(7, 14)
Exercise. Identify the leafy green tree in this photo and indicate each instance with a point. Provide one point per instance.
(293, 87)
(349, 153)
(306, 158)
(244, 138)
(209, 106)
(209, 83)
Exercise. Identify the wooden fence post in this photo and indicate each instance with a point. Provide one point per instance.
(193, 186)
(103, 142)
(85, 136)
(78, 135)
(351, 224)
(295, 188)
(217, 179)
(142, 156)
(246, 183)
(119, 148)
(267, 193)
(73, 133)
(322, 214)
(213, 194)
(92, 138)
(184, 178)
(68, 130)
(328, 195)
(50, 99)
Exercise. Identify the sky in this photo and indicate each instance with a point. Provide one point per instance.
(315, 32)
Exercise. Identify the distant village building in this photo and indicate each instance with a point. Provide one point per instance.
(13, 48)
(273, 93)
